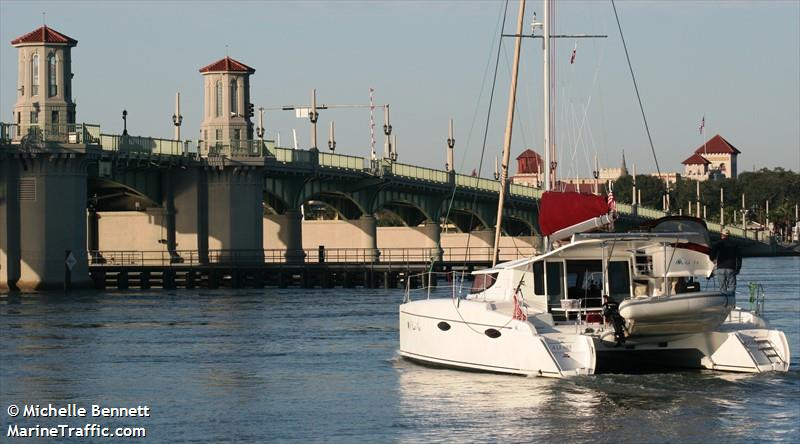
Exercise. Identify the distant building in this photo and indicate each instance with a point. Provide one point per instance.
(696, 167)
(530, 172)
(44, 89)
(530, 169)
(716, 158)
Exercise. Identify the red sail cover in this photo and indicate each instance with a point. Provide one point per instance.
(559, 210)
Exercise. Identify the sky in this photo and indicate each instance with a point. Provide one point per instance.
(736, 63)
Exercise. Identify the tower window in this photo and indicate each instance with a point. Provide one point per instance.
(35, 71)
(51, 75)
(219, 98)
(234, 98)
(34, 117)
(218, 134)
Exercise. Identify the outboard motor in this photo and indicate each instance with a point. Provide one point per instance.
(611, 311)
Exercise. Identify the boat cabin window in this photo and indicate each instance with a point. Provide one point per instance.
(585, 282)
(619, 280)
(555, 283)
(685, 225)
(538, 278)
(482, 282)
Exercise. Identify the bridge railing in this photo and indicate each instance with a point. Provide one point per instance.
(233, 148)
(524, 190)
(478, 183)
(419, 173)
(143, 145)
(78, 133)
(184, 258)
(288, 155)
(342, 161)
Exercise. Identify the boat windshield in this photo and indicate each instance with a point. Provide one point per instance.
(684, 226)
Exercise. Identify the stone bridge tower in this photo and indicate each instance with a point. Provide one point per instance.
(226, 117)
(44, 84)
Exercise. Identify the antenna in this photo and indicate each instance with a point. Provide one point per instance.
(44, 18)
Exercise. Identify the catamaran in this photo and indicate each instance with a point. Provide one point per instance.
(593, 301)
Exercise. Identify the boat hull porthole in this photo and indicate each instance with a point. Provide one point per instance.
(492, 333)
(443, 326)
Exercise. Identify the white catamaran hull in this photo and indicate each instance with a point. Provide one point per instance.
(744, 351)
(476, 335)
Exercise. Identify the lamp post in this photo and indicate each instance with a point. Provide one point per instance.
(260, 129)
(124, 122)
(177, 118)
(332, 138)
(387, 131)
(313, 116)
(451, 142)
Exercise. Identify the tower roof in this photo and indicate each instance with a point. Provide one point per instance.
(227, 65)
(717, 145)
(528, 154)
(624, 167)
(696, 159)
(44, 35)
(529, 162)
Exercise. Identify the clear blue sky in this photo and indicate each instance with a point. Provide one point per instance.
(736, 62)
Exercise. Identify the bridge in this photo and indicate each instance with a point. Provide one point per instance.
(72, 191)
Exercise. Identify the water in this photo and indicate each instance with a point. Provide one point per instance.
(322, 365)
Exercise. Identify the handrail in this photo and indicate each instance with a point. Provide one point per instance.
(183, 258)
(74, 133)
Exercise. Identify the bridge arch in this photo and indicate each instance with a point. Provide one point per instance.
(340, 202)
(515, 226)
(110, 195)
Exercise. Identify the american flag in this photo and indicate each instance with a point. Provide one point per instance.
(612, 203)
(702, 124)
(518, 313)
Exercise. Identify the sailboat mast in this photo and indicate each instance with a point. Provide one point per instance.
(547, 115)
(548, 161)
(509, 126)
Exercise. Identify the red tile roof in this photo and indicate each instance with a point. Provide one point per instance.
(529, 162)
(696, 159)
(528, 154)
(44, 35)
(228, 65)
(717, 145)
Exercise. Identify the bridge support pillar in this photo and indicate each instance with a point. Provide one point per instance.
(9, 224)
(292, 235)
(168, 205)
(43, 219)
(190, 197)
(433, 231)
(369, 242)
(236, 213)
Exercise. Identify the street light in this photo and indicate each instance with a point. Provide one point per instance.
(177, 120)
(124, 122)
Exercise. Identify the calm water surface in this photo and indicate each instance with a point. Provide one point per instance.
(322, 365)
